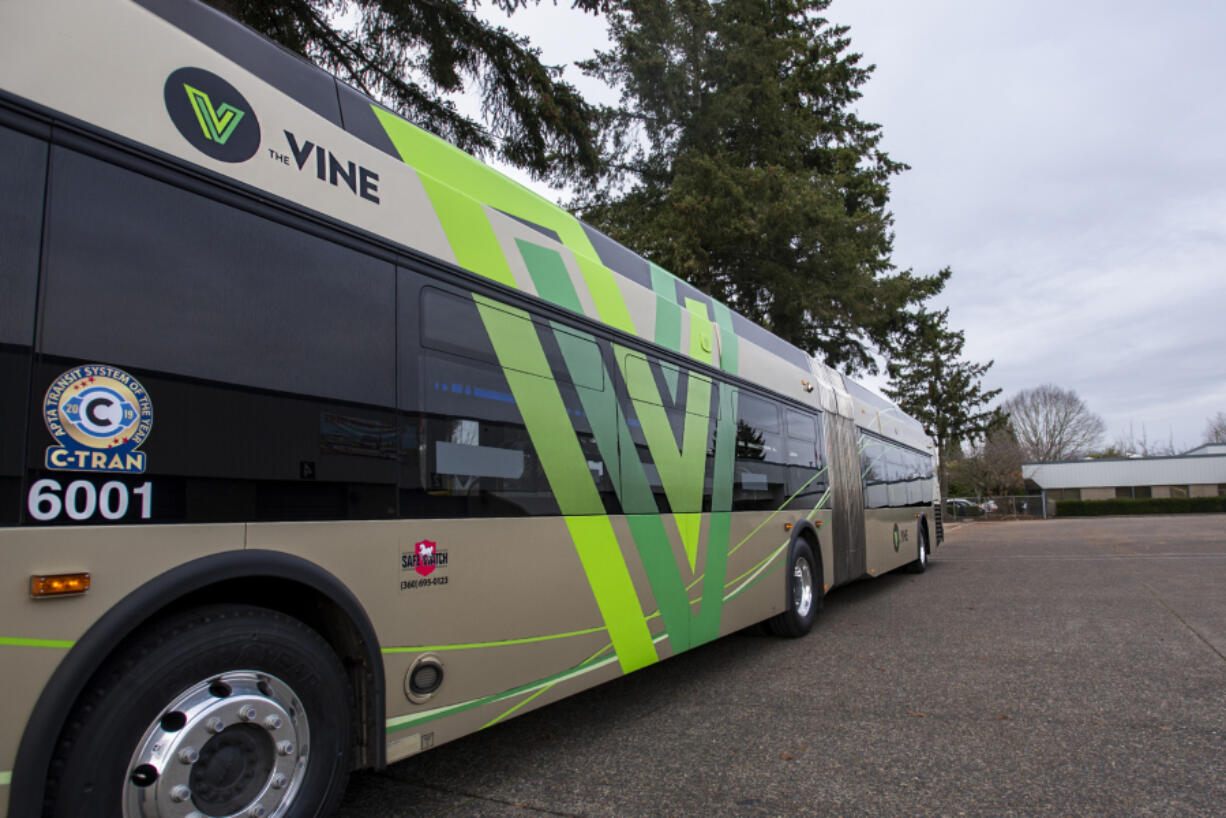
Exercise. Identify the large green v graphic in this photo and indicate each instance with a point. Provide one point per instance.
(681, 468)
(544, 413)
(616, 445)
(218, 124)
(682, 471)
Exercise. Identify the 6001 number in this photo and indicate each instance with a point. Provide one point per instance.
(81, 500)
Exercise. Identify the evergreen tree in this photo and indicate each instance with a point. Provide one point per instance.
(411, 55)
(931, 384)
(740, 167)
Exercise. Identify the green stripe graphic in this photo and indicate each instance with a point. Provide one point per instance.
(405, 722)
(540, 686)
(719, 534)
(549, 274)
(18, 642)
(614, 590)
(459, 205)
(668, 319)
(526, 640)
(702, 337)
(729, 345)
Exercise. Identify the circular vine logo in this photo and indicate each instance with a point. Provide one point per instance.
(897, 538)
(211, 114)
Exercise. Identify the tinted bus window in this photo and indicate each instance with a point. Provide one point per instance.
(452, 323)
(22, 177)
(268, 353)
(761, 479)
(894, 476)
(807, 480)
(145, 274)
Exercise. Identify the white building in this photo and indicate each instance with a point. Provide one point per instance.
(1198, 473)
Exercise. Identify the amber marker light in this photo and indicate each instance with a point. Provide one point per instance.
(50, 585)
(787, 526)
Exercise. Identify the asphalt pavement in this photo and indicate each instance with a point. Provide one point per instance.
(1062, 667)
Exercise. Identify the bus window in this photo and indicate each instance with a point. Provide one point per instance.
(21, 207)
(760, 479)
(268, 353)
(201, 286)
(479, 458)
(807, 480)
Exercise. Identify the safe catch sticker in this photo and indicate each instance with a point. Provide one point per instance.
(100, 416)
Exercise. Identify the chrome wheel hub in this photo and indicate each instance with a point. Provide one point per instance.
(234, 745)
(802, 588)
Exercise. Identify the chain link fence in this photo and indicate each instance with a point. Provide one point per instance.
(962, 509)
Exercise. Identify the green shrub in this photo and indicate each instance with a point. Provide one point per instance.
(1145, 505)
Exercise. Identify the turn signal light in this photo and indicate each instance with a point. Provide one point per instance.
(58, 585)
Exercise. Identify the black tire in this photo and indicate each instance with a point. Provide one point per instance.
(803, 597)
(920, 563)
(156, 699)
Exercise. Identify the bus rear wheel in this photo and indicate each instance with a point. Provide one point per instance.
(920, 563)
(230, 710)
(804, 599)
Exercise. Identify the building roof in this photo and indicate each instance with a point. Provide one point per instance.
(1180, 470)
(1208, 448)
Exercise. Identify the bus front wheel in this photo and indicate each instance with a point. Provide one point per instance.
(219, 710)
(804, 598)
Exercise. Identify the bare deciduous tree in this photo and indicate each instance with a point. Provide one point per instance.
(1053, 424)
(1132, 445)
(1215, 428)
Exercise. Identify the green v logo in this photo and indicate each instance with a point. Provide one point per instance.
(228, 132)
(218, 124)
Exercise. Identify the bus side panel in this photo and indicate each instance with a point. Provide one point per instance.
(887, 550)
(897, 494)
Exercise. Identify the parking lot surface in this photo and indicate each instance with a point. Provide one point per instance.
(1063, 667)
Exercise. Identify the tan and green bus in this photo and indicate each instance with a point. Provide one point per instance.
(322, 444)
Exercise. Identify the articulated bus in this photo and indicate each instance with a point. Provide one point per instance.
(323, 444)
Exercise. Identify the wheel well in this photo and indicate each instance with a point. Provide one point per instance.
(275, 580)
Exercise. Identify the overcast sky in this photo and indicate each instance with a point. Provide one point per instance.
(1068, 161)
